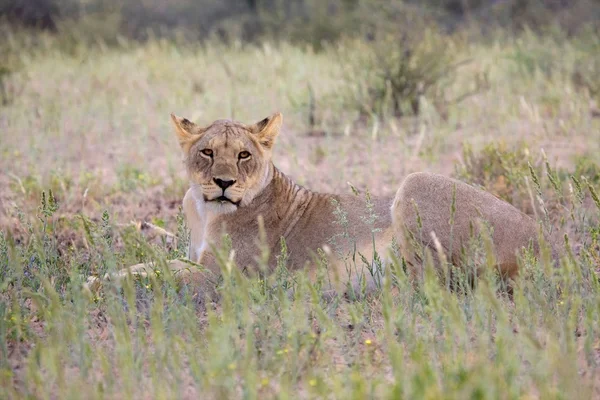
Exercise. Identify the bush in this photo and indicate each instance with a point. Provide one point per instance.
(391, 76)
(586, 74)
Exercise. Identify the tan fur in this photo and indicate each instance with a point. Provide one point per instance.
(309, 221)
(430, 196)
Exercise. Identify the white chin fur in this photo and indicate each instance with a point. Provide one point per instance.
(216, 207)
(212, 208)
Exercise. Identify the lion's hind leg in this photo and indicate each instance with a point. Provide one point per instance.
(456, 213)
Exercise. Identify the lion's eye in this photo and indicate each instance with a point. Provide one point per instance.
(243, 155)
(207, 152)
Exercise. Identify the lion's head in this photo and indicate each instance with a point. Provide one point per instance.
(227, 162)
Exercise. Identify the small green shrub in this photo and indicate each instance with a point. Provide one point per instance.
(497, 169)
(586, 71)
(131, 178)
(588, 167)
(87, 30)
(535, 54)
(10, 63)
(5, 96)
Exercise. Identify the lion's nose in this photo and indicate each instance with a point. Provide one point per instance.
(223, 184)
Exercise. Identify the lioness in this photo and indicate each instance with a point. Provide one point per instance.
(233, 181)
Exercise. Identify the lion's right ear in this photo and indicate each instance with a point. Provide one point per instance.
(187, 132)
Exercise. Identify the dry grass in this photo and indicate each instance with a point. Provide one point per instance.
(94, 128)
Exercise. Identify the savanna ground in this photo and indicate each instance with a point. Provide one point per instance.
(88, 154)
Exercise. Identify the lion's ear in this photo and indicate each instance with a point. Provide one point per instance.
(268, 129)
(187, 132)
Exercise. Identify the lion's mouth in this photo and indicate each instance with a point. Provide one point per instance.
(222, 199)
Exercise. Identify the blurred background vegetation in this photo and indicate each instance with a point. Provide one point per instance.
(402, 50)
(304, 21)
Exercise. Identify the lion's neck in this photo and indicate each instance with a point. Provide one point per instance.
(282, 203)
(280, 192)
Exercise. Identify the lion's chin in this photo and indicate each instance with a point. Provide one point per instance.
(217, 207)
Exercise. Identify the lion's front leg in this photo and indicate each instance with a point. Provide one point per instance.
(143, 270)
(196, 225)
(179, 269)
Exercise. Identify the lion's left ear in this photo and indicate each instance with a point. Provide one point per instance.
(268, 129)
